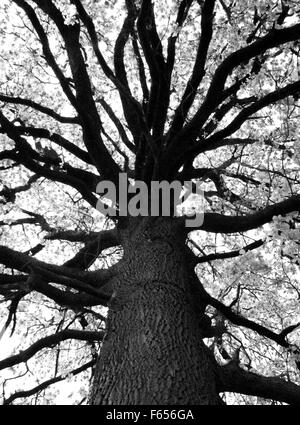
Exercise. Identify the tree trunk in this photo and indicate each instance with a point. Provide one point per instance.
(153, 352)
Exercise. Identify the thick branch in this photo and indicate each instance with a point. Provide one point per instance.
(34, 105)
(87, 282)
(86, 107)
(160, 78)
(42, 133)
(10, 193)
(104, 239)
(118, 124)
(216, 140)
(234, 379)
(231, 254)
(214, 95)
(50, 341)
(120, 70)
(46, 384)
(46, 50)
(218, 223)
(67, 298)
(182, 14)
(25, 153)
(239, 320)
(82, 260)
(199, 66)
(89, 24)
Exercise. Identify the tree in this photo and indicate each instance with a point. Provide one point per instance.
(203, 91)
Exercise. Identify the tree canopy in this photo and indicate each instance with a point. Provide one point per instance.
(204, 91)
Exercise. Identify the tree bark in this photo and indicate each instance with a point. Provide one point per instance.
(153, 351)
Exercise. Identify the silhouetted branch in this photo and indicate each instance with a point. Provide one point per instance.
(46, 384)
(50, 341)
(34, 105)
(231, 254)
(218, 223)
(234, 379)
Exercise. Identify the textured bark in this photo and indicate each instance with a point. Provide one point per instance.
(153, 352)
